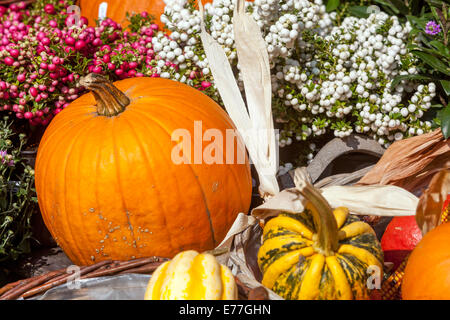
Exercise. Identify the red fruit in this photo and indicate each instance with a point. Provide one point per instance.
(49, 8)
(400, 238)
(14, 53)
(80, 44)
(9, 61)
(70, 41)
(33, 91)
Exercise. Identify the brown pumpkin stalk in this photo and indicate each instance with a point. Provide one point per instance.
(110, 100)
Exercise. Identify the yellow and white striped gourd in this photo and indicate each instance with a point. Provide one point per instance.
(192, 276)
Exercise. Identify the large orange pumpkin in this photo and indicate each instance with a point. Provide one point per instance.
(427, 273)
(117, 9)
(106, 183)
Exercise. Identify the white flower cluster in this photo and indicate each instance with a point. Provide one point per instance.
(325, 78)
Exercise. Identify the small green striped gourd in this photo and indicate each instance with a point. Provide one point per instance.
(192, 276)
(319, 254)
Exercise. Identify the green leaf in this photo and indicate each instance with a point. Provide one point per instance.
(359, 11)
(444, 117)
(436, 3)
(432, 61)
(442, 52)
(435, 14)
(400, 5)
(415, 6)
(443, 49)
(397, 79)
(446, 86)
(332, 5)
(389, 5)
(419, 22)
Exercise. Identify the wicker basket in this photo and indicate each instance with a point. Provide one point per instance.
(28, 288)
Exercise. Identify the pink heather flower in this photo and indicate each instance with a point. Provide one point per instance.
(206, 84)
(432, 28)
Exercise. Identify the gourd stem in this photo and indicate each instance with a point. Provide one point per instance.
(327, 231)
(110, 100)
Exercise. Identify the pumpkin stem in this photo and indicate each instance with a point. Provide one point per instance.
(327, 241)
(110, 100)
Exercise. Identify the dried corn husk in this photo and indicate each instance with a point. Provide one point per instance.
(374, 200)
(255, 125)
(411, 163)
(429, 209)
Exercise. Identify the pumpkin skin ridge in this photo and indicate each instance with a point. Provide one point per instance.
(284, 220)
(87, 132)
(309, 288)
(149, 172)
(91, 249)
(208, 213)
(351, 274)
(97, 176)
(166, 131)
(195, 277)
(271, 256)
(121, 221)
(75, 207)
(353, 278)
(241, 148)
(341, 285)
(327, 285)
(360, 242)
(303, 219)
(119, 177)
(139, 108)
(61, 139)
(303, 270)
(38, 158)
(65, 188)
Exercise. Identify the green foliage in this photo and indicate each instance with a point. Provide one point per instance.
(17, 195)
(433, 50)
(137, 21)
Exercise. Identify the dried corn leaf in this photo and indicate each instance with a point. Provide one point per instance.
(376, 200)
(410, 163)
(255, 125)
(429, 208)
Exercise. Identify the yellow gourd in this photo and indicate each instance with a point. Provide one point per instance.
(192, 276)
